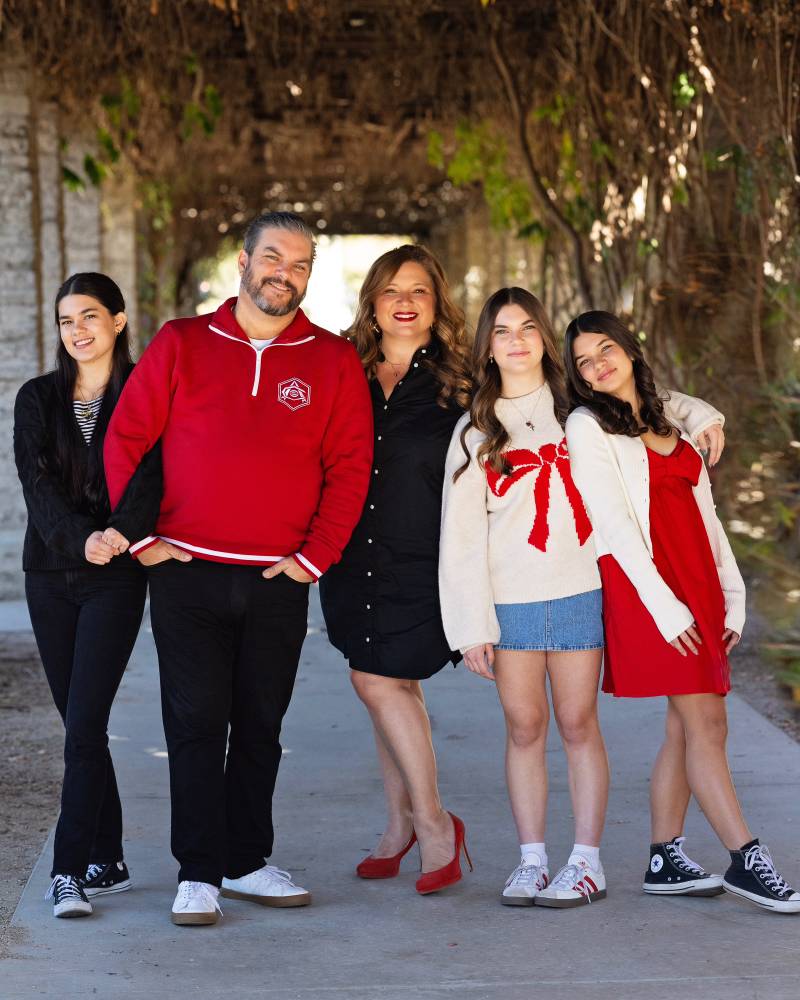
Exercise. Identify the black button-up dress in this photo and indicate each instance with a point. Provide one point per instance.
(381, 601)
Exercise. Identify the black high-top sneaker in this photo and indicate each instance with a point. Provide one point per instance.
(752, 876)
(69, 899)
(103, 878)
(672, 873)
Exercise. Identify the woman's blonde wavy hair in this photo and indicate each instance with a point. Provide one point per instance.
(450, 363)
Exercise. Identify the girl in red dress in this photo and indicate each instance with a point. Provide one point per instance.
(673, 602)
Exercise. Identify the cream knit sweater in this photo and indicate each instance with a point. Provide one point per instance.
(526, 536)
(511, 539)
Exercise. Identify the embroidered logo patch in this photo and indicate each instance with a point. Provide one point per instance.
(294, 393)
(656, 863)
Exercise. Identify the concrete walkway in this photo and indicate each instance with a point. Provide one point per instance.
(381, 940)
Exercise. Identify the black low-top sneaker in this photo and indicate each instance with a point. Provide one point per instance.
(672, 872)
(69, 899)
(111, 877)
(752, 876)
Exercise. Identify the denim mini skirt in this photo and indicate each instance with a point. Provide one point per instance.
(568, 623)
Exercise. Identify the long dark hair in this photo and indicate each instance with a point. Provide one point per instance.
(84, 484)
(450, 362)
(488, 381)
(614, 415)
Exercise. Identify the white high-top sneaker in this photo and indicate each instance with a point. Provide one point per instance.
(196, 903)
(269, 886)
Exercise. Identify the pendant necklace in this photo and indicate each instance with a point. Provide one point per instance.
(85, 411)
(528, 420)
(398, 369)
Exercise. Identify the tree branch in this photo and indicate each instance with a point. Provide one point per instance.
(550, 211)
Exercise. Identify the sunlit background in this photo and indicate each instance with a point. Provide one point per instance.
(339, 270)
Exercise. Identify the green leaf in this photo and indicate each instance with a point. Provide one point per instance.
(680, 194)
(95, 170)
(601, 151)
(436, 149)
(106, 142)
(131, 101)
(213, 101)
(683, 92)
(71, 180)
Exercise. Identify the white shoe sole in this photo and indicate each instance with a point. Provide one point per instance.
(569, 902)
(119, 887)
(300, 899)
(698, 887)
(767, 904)
(73, 910)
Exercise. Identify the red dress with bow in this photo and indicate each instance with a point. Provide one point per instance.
(639, 662)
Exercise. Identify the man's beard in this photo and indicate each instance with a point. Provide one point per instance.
(254, 290)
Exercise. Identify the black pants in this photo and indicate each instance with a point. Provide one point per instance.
(85, 622)
(228, 648)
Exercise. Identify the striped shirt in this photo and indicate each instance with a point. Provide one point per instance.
(86, 415)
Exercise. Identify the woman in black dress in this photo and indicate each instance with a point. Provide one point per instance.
(85, 594)
(381, 602)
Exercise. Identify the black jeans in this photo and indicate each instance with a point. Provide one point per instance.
(228, 645)
(85, 622)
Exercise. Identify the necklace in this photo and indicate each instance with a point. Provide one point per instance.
(398, 369)
(529, 419)
(86, 410)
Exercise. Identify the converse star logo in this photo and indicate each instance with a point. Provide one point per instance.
(656, 863)
(294, 393)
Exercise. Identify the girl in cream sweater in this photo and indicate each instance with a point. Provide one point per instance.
(519, 584)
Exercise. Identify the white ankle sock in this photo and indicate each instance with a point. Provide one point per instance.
(533, 854)
(588, 853)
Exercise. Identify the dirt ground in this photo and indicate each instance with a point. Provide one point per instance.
(31, 765)
(31, 741)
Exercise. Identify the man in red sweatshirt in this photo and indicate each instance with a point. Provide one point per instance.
(265, 425)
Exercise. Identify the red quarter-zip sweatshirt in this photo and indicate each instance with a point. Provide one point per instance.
(266, 454)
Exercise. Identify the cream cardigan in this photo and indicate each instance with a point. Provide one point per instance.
(612, 473)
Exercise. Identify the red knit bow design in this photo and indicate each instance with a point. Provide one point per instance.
(522, 462)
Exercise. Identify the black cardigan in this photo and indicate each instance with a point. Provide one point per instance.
(57, 529)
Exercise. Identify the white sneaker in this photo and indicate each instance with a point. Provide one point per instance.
(269, 886)
(524, 884)
(69, 899)
(575, 885)
(196, 903)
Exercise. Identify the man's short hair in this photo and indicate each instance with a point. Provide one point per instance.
(278, 220)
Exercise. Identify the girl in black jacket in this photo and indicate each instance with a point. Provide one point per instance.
(85, 594)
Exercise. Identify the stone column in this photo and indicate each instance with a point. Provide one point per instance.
(20, 348)
(119, 244)
(51, 236)
(82, 242)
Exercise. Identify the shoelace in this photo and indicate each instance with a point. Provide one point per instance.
(92, 871)
(64, 887)
(571, 877)
(676, 850)
(189, 889)
(759, 858)
(271, 870)
(524, 875)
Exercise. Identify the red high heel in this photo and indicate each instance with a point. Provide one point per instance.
(384, 867)
(451, 872)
